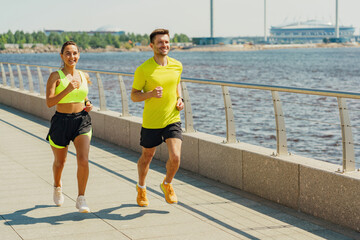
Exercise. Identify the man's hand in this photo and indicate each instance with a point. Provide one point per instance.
(180, 104)
(157, 92)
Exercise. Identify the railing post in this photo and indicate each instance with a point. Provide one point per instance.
(124, 99)
(31, 84)
(12, 81)
(281, 140)
(189, 123)
(3, 74)
(230, 123)
(41, 82)
(21, 82)
(50, 70)
(102, 98)
(347, 138)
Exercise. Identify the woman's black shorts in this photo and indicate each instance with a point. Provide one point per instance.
(66, 127)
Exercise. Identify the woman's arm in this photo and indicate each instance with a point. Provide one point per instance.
(51, 98)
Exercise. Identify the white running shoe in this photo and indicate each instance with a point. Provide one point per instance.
(58, 196)
(81, 204)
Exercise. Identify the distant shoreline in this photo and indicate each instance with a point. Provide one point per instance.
(200, 48)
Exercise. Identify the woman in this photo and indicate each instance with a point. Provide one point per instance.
(68, 89)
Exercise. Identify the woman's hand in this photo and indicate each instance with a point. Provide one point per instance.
(73, 85)
(88, 106)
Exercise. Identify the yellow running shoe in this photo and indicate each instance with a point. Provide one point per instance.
(141, 198)
(169, 193)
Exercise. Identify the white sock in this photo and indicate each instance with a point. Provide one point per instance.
(142, 186)
(166, 183)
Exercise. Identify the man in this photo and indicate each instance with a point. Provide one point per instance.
(157, 82)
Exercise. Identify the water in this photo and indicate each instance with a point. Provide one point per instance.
(312, 122)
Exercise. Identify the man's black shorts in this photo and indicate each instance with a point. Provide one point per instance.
(153, 137)
(66, 127)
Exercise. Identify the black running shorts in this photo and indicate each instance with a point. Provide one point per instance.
(66, 127)
(153, 137)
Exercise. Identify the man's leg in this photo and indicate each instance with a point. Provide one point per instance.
(173, 163)
(143, 163)
(172, 166)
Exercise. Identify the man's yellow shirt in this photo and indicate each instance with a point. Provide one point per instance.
(159, 112)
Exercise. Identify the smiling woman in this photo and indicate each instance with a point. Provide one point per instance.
(67, 89)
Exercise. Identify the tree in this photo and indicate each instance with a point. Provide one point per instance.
(184, 38)
(97, 41)
(175, 38)
(117, 43)
(3, 38)
(29, 38)
(83, 40)
(40, 37)
(109, 40)
(55, 39)
(10, 37)
(19, 37)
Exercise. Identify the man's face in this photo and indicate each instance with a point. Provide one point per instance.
(161, 44)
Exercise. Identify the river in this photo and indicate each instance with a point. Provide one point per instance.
(312, 122)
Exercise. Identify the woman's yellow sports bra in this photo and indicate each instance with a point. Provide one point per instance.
(76, 95)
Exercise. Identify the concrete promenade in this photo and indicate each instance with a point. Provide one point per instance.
(206, 209)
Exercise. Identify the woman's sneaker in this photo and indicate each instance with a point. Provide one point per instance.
(81, 204)
(58, 196)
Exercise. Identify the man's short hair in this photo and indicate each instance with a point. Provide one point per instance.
(158, 32)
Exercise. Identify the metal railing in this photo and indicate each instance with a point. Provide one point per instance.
(348, 159)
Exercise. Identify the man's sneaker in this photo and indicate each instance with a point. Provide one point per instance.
(58, 196)
(169, 193)
(81, 204)
(141, 198)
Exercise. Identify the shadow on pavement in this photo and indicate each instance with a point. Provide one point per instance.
(20, 217)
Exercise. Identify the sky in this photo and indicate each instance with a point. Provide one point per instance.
(192, 17)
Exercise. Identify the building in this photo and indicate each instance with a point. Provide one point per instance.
(211, 40)
(311, 31)
(102, 30)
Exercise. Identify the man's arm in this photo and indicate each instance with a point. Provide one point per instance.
(179, 103)
(139, 96)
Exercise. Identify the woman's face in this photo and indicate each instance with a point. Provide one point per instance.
(70, 56)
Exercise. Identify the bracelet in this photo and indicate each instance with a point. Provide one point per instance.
(180, 98)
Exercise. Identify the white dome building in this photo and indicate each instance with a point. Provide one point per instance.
(308, 31)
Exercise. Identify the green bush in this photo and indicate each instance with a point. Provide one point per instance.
(127, 45)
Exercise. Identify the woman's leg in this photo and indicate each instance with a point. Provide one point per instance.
(59, 162)
(82, 145)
